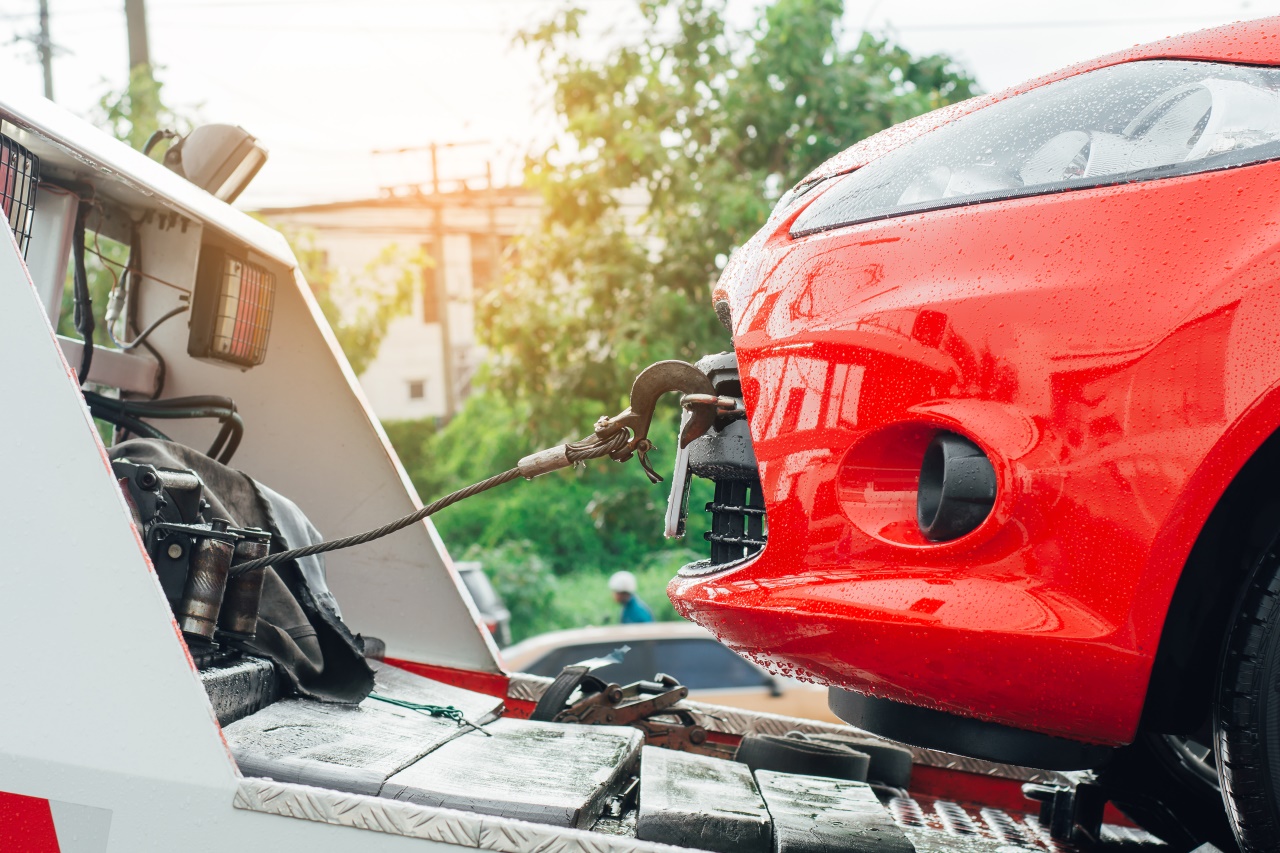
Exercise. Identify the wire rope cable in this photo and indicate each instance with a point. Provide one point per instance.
(592, 447)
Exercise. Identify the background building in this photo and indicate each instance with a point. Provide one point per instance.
(426, 361)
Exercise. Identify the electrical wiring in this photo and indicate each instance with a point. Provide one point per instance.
(126, 267)
(145, 333)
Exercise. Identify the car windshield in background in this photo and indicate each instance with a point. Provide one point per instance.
(1131, 122)
(699, 664)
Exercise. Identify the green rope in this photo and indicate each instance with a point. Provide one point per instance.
(448, 711)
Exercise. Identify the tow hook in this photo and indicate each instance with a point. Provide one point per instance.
(698, 396)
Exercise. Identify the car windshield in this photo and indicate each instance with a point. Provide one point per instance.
(1129, 122)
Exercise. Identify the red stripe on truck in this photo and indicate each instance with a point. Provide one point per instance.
(26, 824)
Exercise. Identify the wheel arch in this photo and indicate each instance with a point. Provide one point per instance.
(1232, 508)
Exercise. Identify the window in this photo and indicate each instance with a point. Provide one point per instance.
(705, 665)
(487, 254)
(417, 389)
(636, 666)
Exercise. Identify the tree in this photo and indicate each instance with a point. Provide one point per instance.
(673, 149)
(134, 113)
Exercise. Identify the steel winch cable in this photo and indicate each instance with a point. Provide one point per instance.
(560, 456)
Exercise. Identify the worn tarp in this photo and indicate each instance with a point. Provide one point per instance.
(299, 624)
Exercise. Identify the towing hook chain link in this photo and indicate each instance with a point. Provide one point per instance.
(626, 434)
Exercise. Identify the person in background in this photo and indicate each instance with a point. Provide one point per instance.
(623, 586)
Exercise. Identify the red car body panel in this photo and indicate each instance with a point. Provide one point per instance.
(1115, 351)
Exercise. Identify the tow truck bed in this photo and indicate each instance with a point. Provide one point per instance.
(401, 770)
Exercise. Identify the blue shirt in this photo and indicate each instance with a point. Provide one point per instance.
(636, 610)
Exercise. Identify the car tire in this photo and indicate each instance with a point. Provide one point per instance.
(804, 757)
(1155, 784)
(1247, 710)
(890, 764)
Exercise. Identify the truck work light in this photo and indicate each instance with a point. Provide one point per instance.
(220, 158)
(19, 175)
(231, 309)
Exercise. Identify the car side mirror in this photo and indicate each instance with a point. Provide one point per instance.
(774, 686)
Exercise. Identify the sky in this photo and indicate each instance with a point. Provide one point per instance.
(333, 87)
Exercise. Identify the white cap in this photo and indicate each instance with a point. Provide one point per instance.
(622, 582)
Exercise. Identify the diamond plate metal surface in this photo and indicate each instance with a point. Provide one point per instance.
(717, 718)
(443, 825)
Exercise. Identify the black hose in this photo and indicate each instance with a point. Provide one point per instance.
(126, 412)
(229, 435)
(82, 300)
(125, 421)
(146, 333)
(157, 137)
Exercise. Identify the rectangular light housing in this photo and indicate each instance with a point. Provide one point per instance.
(19, 176)
(231, 310)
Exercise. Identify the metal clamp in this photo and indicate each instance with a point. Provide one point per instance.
(654, 381)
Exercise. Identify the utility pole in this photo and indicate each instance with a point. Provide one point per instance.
(44, 47)
(493, 225)
(135, 16)
(437, 204)
(442, 284)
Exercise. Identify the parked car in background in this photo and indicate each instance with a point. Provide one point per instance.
(687, 652)
(496, 616)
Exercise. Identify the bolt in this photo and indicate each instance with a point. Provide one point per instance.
(175, 551)
(147, 480)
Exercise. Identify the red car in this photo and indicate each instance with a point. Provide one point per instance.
(1011, 374)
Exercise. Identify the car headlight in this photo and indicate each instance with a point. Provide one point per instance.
(1131, 122)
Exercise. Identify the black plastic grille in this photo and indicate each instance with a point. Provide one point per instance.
(738, 524)
(19, 176)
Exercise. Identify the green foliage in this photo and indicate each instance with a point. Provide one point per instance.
(134, 113)
(540, 600)
(360, 308)
(673, 150)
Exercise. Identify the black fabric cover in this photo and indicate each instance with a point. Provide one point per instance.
(299, 628)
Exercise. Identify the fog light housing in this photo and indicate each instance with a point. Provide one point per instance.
(957, 488)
